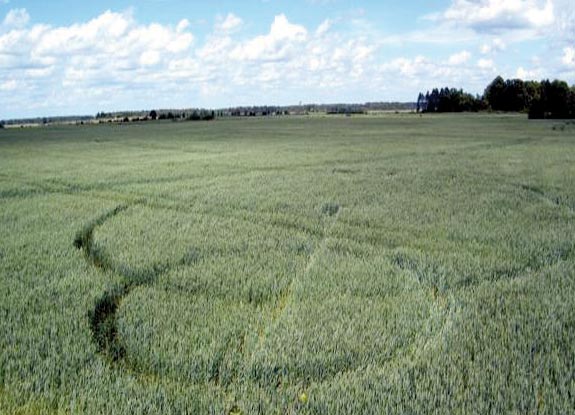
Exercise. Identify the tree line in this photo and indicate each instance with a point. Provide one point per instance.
(545, 99)
(138, 116)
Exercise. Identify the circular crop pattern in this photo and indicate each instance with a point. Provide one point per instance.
(225, 300)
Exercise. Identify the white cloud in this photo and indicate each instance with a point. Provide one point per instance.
(459, 58)
(406, 66)
(564, 27)
(323, 27)
(423, 73)
(486, 64)
(112, 54)
(229, 23)
(150, 58)
(568, 58)
(39, 72)
(16, 18)
(216, 48)
(113, 61)
(9, 85)
(496, 45)
(114, 35)
(187, 68)
(276, 45)
(183, 25)
(499, 15)
(281, 29)
(527, 74)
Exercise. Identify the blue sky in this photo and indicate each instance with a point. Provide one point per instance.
(70, 57)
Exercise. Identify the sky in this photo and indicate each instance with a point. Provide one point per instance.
(64, 57)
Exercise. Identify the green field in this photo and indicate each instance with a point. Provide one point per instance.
(393, 264)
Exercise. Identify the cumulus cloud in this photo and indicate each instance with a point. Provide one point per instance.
(496, 45)
(486, 64)
(425, 73)
(183, 25)
(229, 23)
(459, 58)
(408, 67)
(276, 45)
(113, 61)
(323, 27)
(110, 36)
(528, 74)
(100, 57)
(499, 15)
(150, 57)
(16, 18)
(113, 57)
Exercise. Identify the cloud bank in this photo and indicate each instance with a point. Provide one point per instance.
(115, 62)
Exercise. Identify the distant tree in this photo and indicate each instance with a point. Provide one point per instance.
(170, 116)
(511, 94)
(536, 109)
(421, 103)
(514, 95)
(448, 100)
(433, 101)
(555, 100)
(194, 116)
(494, 93)
(532, 92)
(558, 97)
